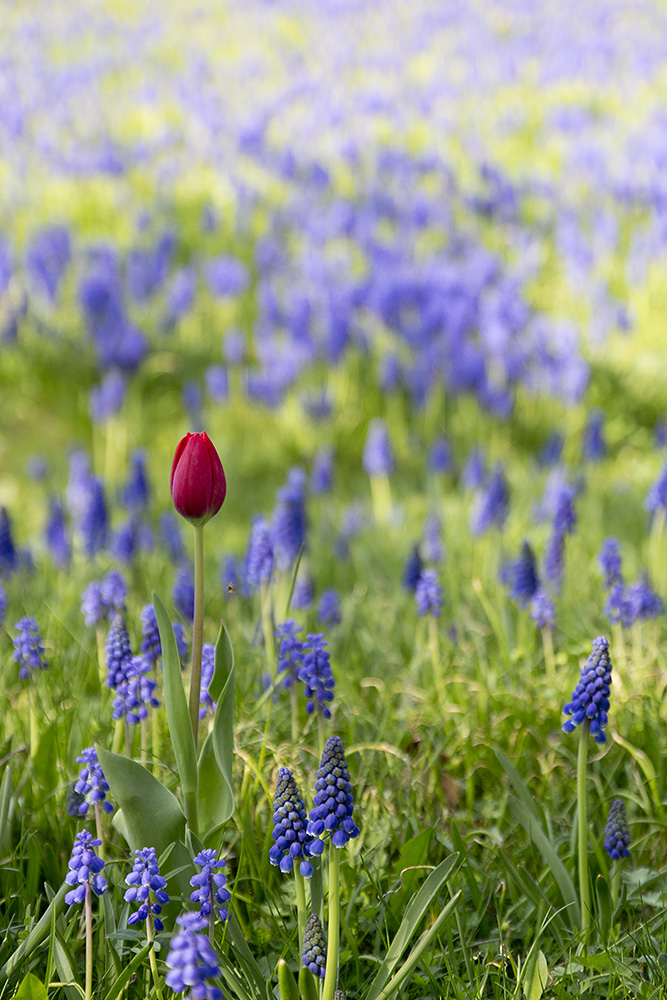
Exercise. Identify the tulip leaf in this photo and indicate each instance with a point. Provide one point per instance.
(215, 799)
(31, 989)
(151, 815)
(178, 713)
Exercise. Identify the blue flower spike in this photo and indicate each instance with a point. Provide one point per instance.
(590, 698)
(147, 887)
(617, 832)
(290, 833)
(314, 954)
(191, 960)
(334, 803)
(210, 884)
(84, 869)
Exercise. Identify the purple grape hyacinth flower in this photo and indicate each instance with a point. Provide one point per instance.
(316, 674)
(334, 803)
(377, 458)
(91, 783)
(84, 869)
(290, 652)
(314, 951)
(428, 594)
(210, 884)
(590, 698)
(191, 961)
(118, 654)
(617, 832)
(290, 833)
(147, 887)
(28, 648)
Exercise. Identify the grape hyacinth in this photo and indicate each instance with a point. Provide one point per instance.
(316, 674)
(84, 869)
(590, 698)
(118, 655)
(147, 887)
(657, 495)
(210, 885)
(542, 610)
(55, 534)
(91, 784)
(290, 652)
(617, 832)
(609, 561)
(491, 505)
(94, 524)
(259, 558)
(334, 803)
(28, 648)
(191, 960)
(304, 591)
(292, 840)
(288, 524)
(328, 608)
(9, 558)
(428, 594)
(102, 598)
(314, 953)
(412, 570)
(523, 580)
(135, 694)
(183, 594)
(564, 523)
(207, 671)
(3, 604)
(377, 458)
(150, 646)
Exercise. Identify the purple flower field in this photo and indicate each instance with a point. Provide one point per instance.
(395, 277)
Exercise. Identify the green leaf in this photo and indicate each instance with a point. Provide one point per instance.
(215, 799)
(178, 713)
(646, 765)
(413, 915)
(560, 873)
(65, 967)
(151, 816)
(31, 989)
(6, 809)
(128, 972)
(537, 975)
(38, 934)
(394, 985)
(286, 982)
(521, 788)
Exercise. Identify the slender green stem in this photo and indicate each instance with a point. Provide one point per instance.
(155, 733)
(294, 706)
(128, 739)
(98, 829)
(300, 905)
(549, 659)
(88, 909)
(584, 892)
(615, 884)
(334, 925)
(151, 958)
(197, 632)
(117, 736)
(317, 890)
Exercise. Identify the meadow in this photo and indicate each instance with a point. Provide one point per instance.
(406, 268)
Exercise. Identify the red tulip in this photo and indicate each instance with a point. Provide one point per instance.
(198, 484)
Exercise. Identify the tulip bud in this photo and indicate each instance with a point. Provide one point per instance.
(198, 484)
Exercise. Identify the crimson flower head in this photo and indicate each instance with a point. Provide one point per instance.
(198, 484)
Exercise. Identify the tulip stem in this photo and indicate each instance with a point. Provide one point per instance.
(197, 632)
(584, 892)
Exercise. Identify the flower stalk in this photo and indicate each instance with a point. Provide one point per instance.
(197, 631)
(584, 888)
